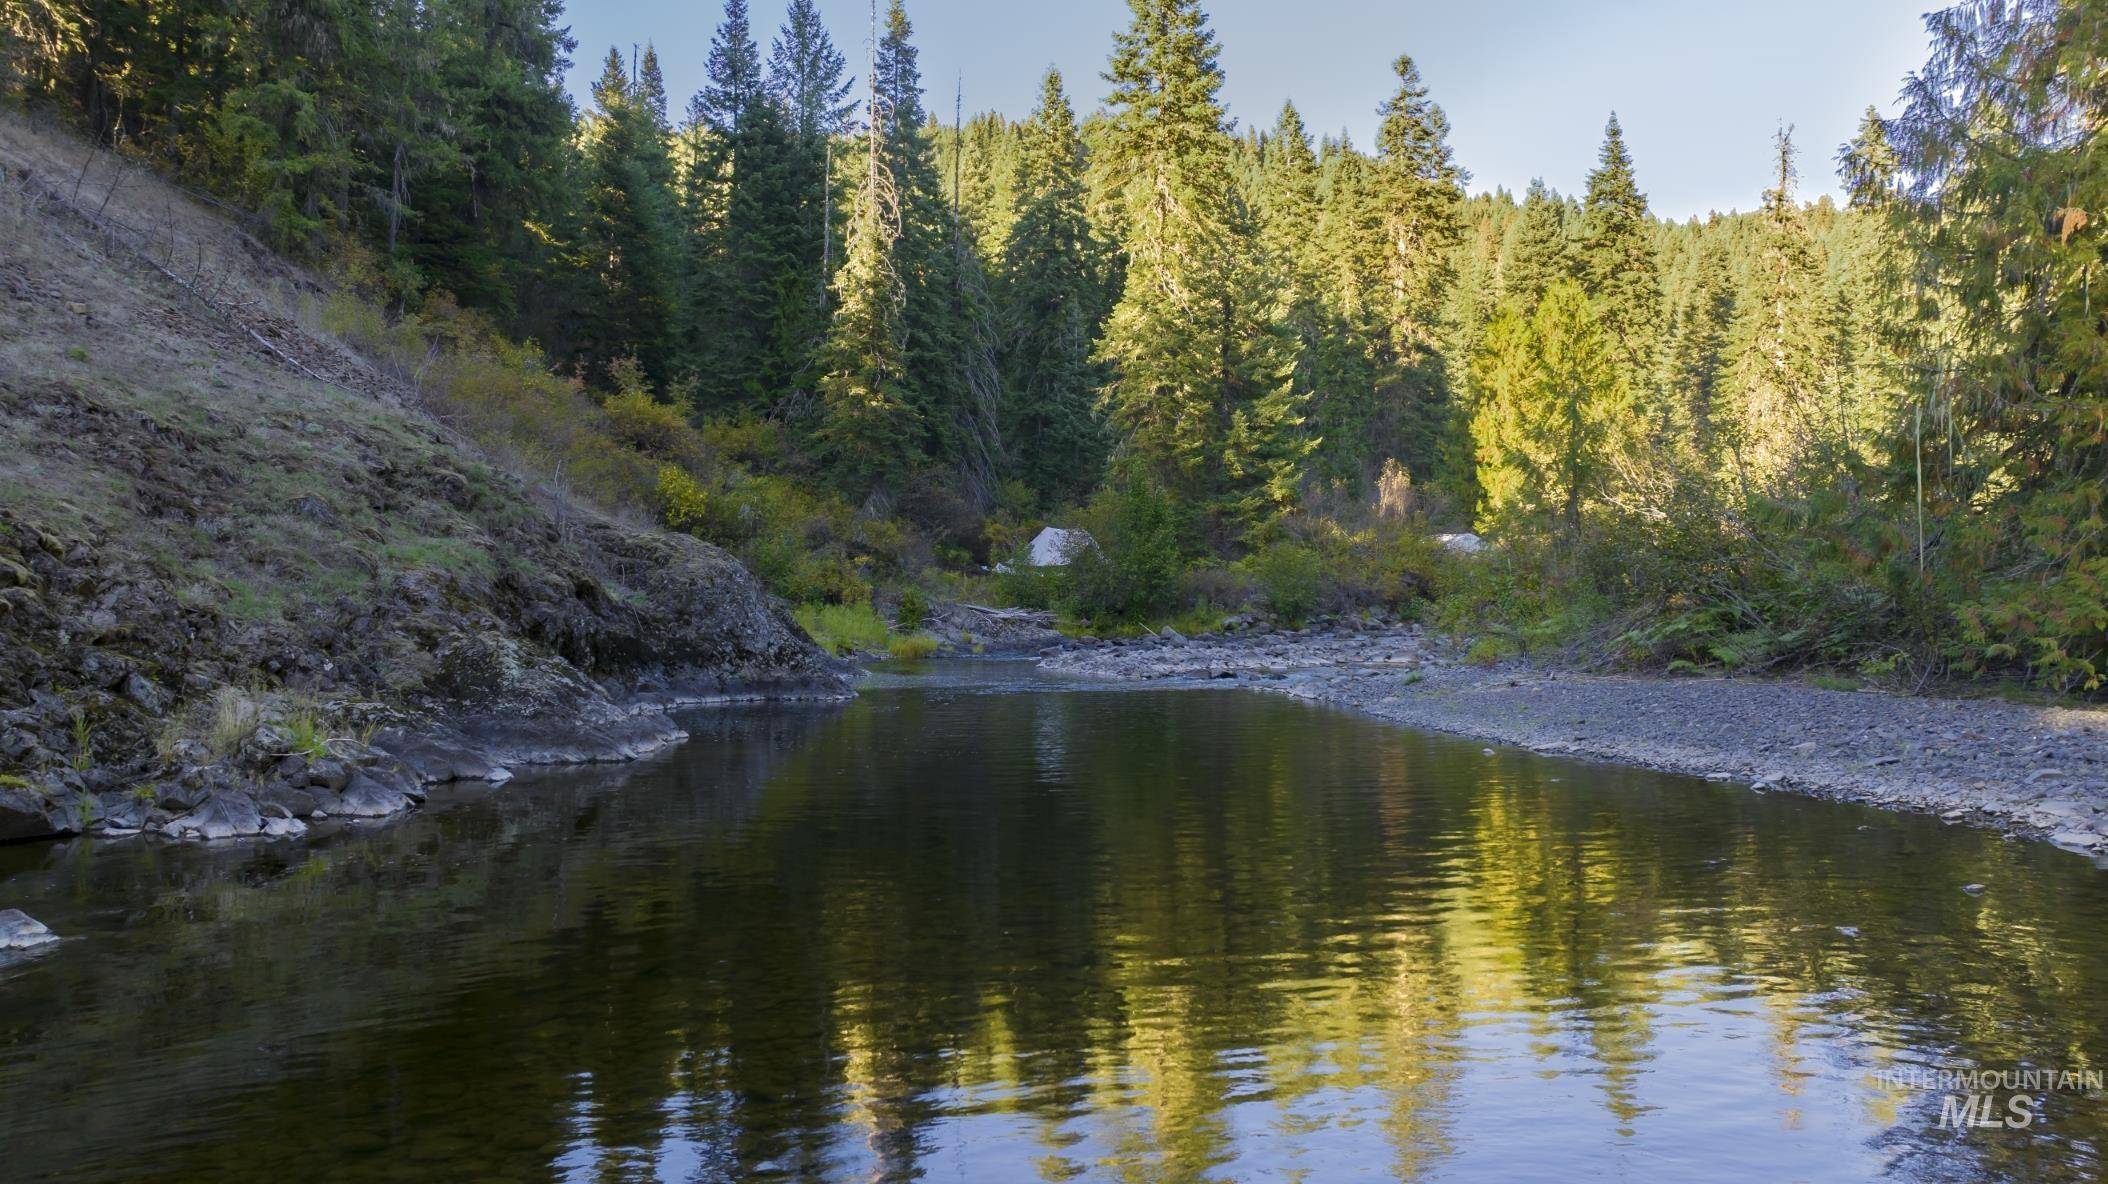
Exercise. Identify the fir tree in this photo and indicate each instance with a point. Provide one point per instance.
(807, 75)
(869, 421)
(651, 89)
(1616, 255)
(1535, 254)
(753, 326)
(1422, 191)
(1785, 406)
(630, 232)
(1052, 305)
(1557, 420)
(1696, 362)
(1200, 392)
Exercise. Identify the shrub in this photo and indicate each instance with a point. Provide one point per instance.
(914, 609)
(1291, 579)
(911, 647)
(1134, 571)
(844, 628)
(658, 430)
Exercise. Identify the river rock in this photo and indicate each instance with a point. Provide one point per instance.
(124, 810)
(366, 797)
(20, 931)
(22, 815)
(296, 801)
(225, 815)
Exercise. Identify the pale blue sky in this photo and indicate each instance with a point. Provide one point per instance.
(1699, 84)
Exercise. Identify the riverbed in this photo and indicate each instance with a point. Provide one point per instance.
(984, 924)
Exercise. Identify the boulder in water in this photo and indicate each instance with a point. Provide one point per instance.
(20, 931)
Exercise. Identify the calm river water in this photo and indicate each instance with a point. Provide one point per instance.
(981, 927)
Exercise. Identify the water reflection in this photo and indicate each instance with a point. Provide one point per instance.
(1150, 936)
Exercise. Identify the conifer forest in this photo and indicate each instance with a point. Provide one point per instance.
(870, 343)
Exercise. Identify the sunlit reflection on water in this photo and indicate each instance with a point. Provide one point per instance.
(986, 930)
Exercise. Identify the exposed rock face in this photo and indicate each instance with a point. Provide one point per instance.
(187, 515)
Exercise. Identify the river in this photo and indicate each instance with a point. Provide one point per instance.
(981, 926)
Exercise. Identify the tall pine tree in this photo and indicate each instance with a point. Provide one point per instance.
(1617, 258)
(1051, 304)
(1200, 391)
(629, 238)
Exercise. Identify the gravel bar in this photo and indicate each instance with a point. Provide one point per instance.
(2038, 771)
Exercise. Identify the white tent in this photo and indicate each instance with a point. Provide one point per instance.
(1055, 547)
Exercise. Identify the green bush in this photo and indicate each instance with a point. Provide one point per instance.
(1292, 579)
(913, 611)
(1134, 571)
(911, 647)
(844, 628)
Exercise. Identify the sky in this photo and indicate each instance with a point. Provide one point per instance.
(1701, 86)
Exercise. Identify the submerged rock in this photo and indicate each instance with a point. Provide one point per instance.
(20, 931)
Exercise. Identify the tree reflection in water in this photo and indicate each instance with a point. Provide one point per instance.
(1120, 935)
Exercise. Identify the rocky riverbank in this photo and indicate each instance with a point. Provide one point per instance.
(248, 578)
(2037, 771)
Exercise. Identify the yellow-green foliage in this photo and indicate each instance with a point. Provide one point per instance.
(310, 736)
(503, 395)
(1558, 412)
(683, 502)
(805, 546)
(844, 628)
(911, 647)
(658, 430)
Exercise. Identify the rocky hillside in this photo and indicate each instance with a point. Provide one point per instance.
(246, 578)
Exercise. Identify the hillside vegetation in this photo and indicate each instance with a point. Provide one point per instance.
(216, 519)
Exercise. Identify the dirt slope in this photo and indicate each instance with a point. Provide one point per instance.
(224, 538)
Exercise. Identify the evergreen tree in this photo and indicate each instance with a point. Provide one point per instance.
(753, 322)
(1617, 260)
(807, 75)
(942, 324)
(1535, 253)
(1785, 409)
(1052, 304)
(1696, 362)
(2002, 136)
(1557, 420)
(733, 74)
(1422, 191)
(630, 234)
(950, 323)
(489, 214)
(651, 88)
(1869, 166)
(869, 422)
(1200, 392)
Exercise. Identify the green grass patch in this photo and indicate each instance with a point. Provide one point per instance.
(844, 628)
(454, 556)
(310, 737)
(251, 602)
(911, 647)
